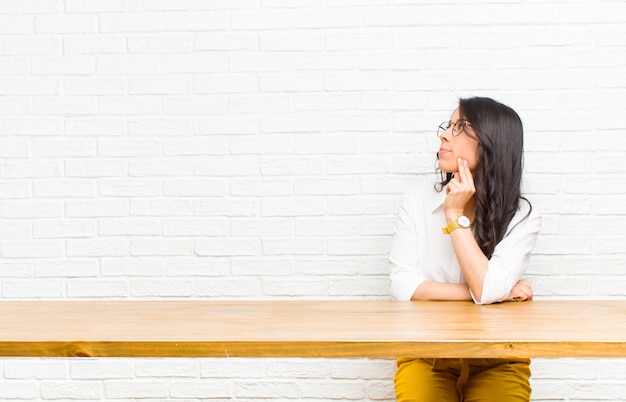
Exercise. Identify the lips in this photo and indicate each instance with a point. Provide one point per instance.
(443, 151)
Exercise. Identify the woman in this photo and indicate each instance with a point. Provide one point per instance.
(468, 238)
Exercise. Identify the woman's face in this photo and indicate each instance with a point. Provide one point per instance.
(457, 146)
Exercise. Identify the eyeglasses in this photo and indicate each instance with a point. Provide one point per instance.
(457, 127)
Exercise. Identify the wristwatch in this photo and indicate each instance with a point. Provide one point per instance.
(461, 222)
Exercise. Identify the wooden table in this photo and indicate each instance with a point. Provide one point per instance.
(378, 329)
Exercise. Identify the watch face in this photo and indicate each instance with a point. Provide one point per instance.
(464, 221)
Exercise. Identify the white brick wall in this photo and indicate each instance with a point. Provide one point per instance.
(256, 149)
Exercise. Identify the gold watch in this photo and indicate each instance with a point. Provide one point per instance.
(461, 222)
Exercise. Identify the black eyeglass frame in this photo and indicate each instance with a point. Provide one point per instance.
(461, 124)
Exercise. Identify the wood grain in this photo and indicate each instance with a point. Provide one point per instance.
(380, 329)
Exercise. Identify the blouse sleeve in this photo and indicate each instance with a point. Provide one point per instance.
(511, 256)
(404, 256)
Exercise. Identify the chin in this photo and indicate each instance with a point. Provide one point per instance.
(447, 169)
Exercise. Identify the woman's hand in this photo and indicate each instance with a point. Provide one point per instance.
(522, 291)
(459, 192)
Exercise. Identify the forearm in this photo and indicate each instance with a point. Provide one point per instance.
(431, 290)
(471, 259)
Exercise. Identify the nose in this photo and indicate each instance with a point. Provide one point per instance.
(444, 136)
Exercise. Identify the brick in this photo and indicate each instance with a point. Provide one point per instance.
(153, 126)
(159, 5)
(228, 41)
(329, 18)
(226, 125)
(29, 6)
(64, 106)
(320, 266)
(95, 168)
(230, 166)
(196, 63)
(357, 122)
(15, 45)
(296, 288)
(271, 144)
(28, 86)
(200, 389)
(279, 166)
(14, 105)
(261, 187)
(97, 288)
(16, 270)
(301, 206)
(68, 188)
(130, 187)
(160, 168)
(359, 246)
(262, 227)
(333, 186)
(102, 369)
(161, 44)
(20, 389)
(261, 20)
(291, 83)
(53, 229)
(358, 41)
(135, 105)
(72, 389)
(163, 368)
(156, 246)
(325, 61)
(30, 288)
(126, 64)
(67, 268)
(292, 41)
(90, 126)
(298, 246)
(197, 267)
(298, 368)
(15, 189)
(32, 369)
(227, 207)
(161, 207)
(266, 266)
(119, 389)
(194, 227)
(362, 81)
(227, 247)
(260, 62)
(227, 83)
(94, 44)
(66, 24)
(96, 208)
(128, 227)
(136, 22)
(229, 287)
(160, 86)
(233, 367)
(131, 267)
(194, 188)
(97, 247)
(197, 21)
(157, 288)
(32, 249)
(349, 390)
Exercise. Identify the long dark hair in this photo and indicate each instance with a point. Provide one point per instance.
(498, 173)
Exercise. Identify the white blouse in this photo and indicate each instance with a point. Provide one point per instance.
(421, 252)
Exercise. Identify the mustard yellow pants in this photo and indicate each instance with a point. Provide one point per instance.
(462, 380)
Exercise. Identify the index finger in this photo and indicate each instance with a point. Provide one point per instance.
(465, 172)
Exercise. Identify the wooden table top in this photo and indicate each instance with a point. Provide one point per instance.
(377, 329)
